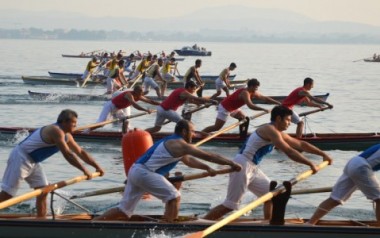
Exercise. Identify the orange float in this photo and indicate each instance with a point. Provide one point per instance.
(134, 144)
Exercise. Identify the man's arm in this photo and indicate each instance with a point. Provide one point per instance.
(226, 79)
(248, 101)
(194, 163)
(83, 155)
(188, 96)
(301, 145)
(277, 139)
(148, 100)
(180, 148)
(198, 78)
(267, 99)
(129, 97)
(315, 99)
(58, 138)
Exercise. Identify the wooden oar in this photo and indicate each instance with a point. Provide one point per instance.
(135, 81)
(305, 113)
(266, 197)
(228, 128)
(187, 115)
(171, 179)
(99, 124)
(313, 111)
(86, 79)
(312, 190)
(44, 190)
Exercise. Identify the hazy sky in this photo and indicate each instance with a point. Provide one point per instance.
(364, 11)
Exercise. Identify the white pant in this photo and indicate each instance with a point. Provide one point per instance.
(219, 84)
(149, 83)
(249, 177)
(163, 114)
(223, 113)
(20, 167)
(109, 111)
(169, 77)
(357, 174)
(141, 180)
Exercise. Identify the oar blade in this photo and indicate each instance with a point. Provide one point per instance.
(198, 234)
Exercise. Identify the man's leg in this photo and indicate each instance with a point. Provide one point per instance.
(172, 209)
(217, 212)
(322, 210)
(41, 204)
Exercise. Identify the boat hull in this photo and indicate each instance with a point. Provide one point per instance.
(77, 75)
(26, 228)
(372, 60)
(192, 53)
(80, 97)
(325, 141)
(46, 80)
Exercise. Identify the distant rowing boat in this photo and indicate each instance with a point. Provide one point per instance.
(46, 80)
(89, 97)
(89, 56)
(325, 141)
(180, 77)
(372, 60)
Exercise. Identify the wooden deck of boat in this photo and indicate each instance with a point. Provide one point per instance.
(81, 225)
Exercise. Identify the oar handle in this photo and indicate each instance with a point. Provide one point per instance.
(136, 80)
(228, 128)
(171, 179)
(103, 123)
(44, 190)
(313, 111)
(198, 175)
(99, 192)
(198, 108)
(311, 190)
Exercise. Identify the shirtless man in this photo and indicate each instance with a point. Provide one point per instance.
(151, 75)
(223, 81)
(192, 74)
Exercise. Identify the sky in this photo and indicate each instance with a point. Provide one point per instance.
(362, 11)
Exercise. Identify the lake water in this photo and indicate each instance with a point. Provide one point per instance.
(353, 88)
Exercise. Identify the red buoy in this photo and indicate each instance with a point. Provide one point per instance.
(134, 144)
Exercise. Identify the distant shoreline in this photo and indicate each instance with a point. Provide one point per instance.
(101, 35)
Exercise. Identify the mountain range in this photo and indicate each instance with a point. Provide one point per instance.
(237, 20)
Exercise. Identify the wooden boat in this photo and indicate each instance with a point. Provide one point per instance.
(325, 141)
(192, 51)
(79, 97)
(180, 77)
(46, 80)
(147, 226)
(377, 60)
(89, 56)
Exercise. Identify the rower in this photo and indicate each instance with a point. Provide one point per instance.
(231, 104)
